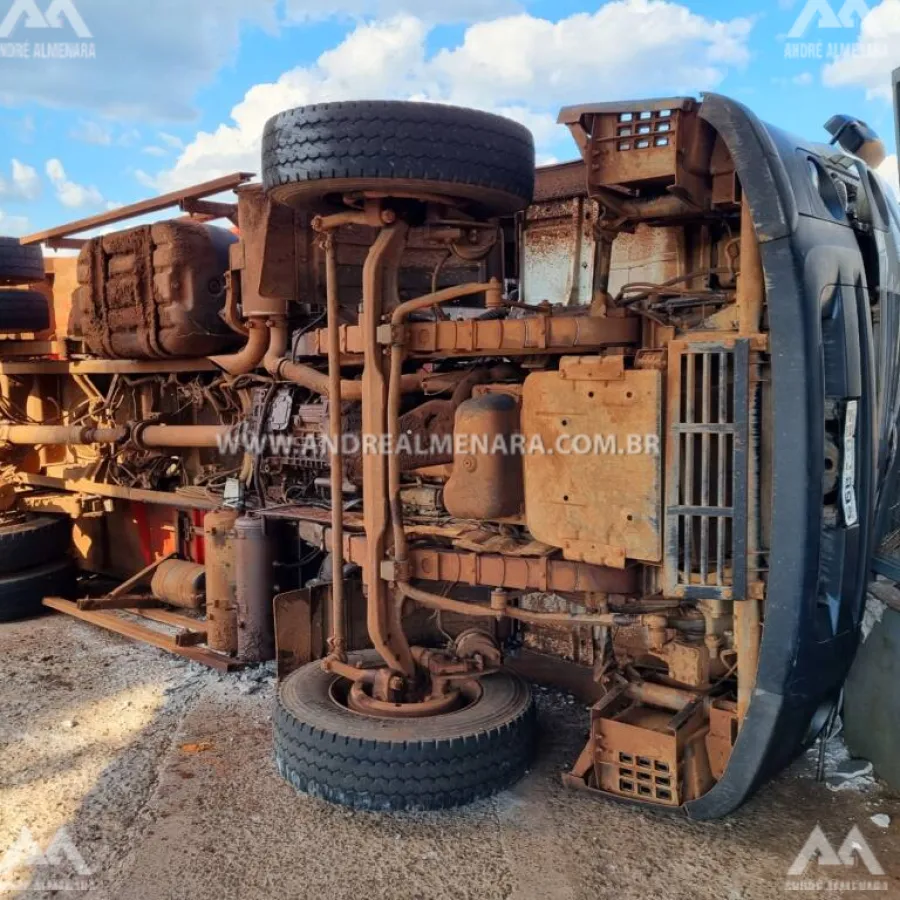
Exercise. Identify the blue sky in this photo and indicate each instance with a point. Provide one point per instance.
(177, 91)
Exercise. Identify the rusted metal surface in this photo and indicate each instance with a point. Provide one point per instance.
(747, 637)
(155, 291)
(102, 366)
(560, 181)
(600, 504)
(379, 290)
(559, 250)
(123, 213)
(644, 753)
(180, 583)
(99, 489)
(250, 355)
(335, 432)
(372, 322)
(30, 435)
(494, 570)
(299, 628)
(111, 622)
(221, 580)
(176, 436)
(254, 594)
(486, 481)
(504, 337)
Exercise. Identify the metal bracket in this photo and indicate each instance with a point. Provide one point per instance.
(391, 335)
(395, 570)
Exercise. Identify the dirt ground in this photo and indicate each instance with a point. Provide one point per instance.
(162, 774)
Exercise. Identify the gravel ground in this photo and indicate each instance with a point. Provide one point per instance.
(161, 773)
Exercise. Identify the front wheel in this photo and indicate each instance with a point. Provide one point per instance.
(326, 750)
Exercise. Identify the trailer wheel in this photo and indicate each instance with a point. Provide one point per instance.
(325, 750)
(27, 541)
(21, 594)
(20, 264)
(23, 311)
(316, 153)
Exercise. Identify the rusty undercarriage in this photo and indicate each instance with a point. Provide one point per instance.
(467, 420)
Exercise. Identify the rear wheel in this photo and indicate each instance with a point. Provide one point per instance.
(29, 540)
(326, 750)
(23, 311)
(320, 153)
(21, 594)
(19, 264)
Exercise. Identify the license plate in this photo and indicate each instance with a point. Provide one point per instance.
(848, 476)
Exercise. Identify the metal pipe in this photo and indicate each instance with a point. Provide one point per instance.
(335, 427)
(443, 296)
(178, 436)
(251, 355)
(320, 382)
(278, 343)
(380, 275)
(53, 435)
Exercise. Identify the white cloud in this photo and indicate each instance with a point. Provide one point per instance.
(153, 150)
(879, 40)
(90, 132)
(25, 183)
(151, 58)
(68, 192)
(889, 171)
(13, 226)
(521, 66)
(171, 140)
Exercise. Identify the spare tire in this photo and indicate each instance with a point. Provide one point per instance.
(31, 540)
(21, 594)
(328, 751)
(20, 264)
(316, 153)
(23, 312)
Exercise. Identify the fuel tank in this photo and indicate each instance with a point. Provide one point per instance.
(154, 292)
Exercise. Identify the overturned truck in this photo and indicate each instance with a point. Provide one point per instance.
(625, 425)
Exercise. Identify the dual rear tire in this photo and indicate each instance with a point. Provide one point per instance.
(34, 563)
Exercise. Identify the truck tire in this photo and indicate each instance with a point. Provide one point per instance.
(21, 594)
(23, 312)
(315, 152)
(19, 264)
(33, 540)
(327, 751)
